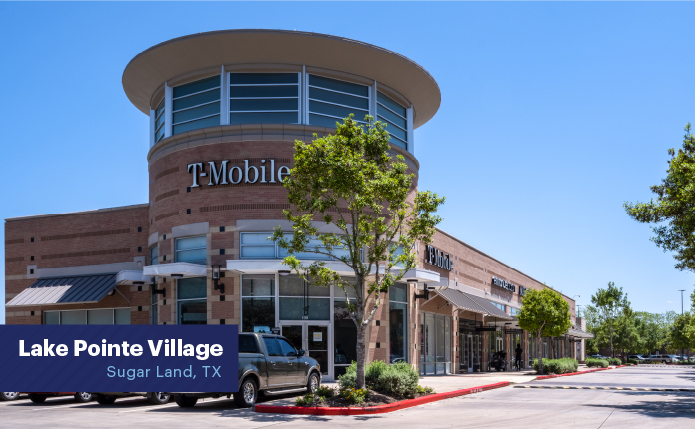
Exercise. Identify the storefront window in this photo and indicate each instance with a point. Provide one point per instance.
(344, 338)
(258, 303)
(101, 316)
(192, 303)
(300, 300)
(332, 100)
(435, 353)
(263, 98)
(398, 322)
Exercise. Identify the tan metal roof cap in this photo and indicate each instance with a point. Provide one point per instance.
(176, 57)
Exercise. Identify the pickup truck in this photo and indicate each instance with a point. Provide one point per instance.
(268, 364)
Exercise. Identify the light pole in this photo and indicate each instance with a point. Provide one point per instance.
(681, 291)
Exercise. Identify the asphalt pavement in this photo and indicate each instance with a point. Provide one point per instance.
(506, 407)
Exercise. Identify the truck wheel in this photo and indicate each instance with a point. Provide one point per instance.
(185, 401)
(247, 394)
(159, 398)
(105, 400)
(8, 396)
(83, 397)
(313, 384)
(37, 399)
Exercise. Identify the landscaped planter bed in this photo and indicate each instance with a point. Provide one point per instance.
(377, 409)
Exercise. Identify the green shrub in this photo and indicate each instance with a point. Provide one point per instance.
(399, 380)
(373, 372)
(305, 401)
(596, 363)
(557, 366)
(325, 392)
(633, 361)
(354, 396)
(347, 380)
(425, 390)
(615, 361)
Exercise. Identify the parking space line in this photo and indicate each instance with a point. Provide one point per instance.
(55, 408)
(641, 389)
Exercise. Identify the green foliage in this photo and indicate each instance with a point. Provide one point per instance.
(305, 401)
(349, 180)
(374, 371)
(399, 380)
(633, 361)
(673, 212)
(613, 309)
(544, 313)
(680, 335)
(325, 392)
(354, 396)
(557, 366)
(425, 390)
(614, 361)
(597, 363)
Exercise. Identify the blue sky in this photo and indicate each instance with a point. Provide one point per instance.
(552, 115)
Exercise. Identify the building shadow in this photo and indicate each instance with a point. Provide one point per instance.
(655, 404)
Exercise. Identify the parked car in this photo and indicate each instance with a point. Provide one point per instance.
(598, 357)
(8, 396)
(40, 397)
(660, 358)
(108, 398)
(268, 364)
(638, 358)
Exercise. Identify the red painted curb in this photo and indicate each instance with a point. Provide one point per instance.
(544, 377)
(386, 408)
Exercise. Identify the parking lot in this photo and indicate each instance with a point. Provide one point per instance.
(506, 407)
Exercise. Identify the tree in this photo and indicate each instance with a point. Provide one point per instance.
(544, 313)
(678, 333)
(652, 332)
(350, 181)
(674, 209)
(612, 305)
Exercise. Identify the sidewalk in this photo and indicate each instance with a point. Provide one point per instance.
(441, 383)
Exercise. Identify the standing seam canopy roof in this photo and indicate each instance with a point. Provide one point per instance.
(473, 303)
(171, 59)
(59, 290)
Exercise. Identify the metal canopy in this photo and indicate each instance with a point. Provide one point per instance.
(66, 290)
(489, 308)
(461, 300)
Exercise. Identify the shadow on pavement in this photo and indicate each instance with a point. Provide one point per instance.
(655, 404)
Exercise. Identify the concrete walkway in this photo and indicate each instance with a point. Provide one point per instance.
(440, 383)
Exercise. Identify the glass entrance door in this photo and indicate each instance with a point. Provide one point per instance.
(313, 338)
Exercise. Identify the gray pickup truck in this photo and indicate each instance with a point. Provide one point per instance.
(268, 364)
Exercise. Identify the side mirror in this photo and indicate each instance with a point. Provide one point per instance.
(300, 353)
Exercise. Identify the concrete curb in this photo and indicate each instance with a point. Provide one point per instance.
(637, 389)
(545, 377)
(379, 409)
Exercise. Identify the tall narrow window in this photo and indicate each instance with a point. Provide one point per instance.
(263, 98)
(154, 254)
(159, 122)
(191, 297)
(196, 105)
(395, 115)
(192, 250)
(258, 303)
(332, 100)
(398, 322)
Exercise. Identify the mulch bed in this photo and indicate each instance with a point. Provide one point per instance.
(375, 398)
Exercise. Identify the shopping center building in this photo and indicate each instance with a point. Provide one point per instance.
(225, 109)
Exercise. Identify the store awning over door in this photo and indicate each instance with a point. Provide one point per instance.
(65, 290)
(461, 300)
(490, 308)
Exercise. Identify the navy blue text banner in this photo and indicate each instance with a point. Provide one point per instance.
(120, 358)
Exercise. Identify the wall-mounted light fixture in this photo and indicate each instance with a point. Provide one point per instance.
(176, 276)
(425, 294)
(284, 272)
(216, 278)
(155, 291)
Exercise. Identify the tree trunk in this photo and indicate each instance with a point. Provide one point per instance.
(361, 357)
(539, 347)
(552, 347)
